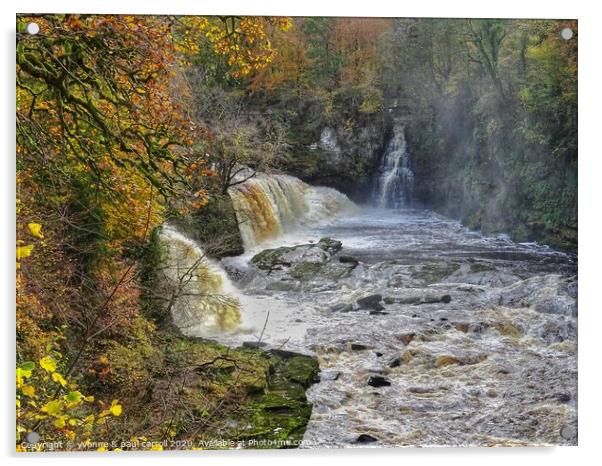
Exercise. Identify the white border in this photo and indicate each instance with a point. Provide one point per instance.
(590, 265)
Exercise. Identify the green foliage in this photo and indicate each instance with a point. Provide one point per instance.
(214, 226)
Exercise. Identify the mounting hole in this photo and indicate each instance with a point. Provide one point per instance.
(567, 432)
(32, 437)
(32, 28)
(566, 33)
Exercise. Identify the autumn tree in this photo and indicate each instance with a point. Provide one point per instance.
(106, 147)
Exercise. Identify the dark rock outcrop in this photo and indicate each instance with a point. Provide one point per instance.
(373, 302)
(378, 381)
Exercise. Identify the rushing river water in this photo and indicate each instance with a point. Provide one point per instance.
(464, 340)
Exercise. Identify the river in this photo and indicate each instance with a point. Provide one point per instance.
(473, 340)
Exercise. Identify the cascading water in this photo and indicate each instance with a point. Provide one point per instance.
(269, 205)
(202, 299)
(395, 179)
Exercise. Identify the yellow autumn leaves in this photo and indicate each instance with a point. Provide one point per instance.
(48, 363)
(242, 40)
(24, 251)
(39, 400)
(36, 230)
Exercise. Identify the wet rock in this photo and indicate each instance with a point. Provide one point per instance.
(329, 245)
(417, 298)
(434, 272)
(341, 307)
(491, 393)
(406, 338)
(329, 375)
(303, 259)
(358, 347)
(550, 294)
(371, 302)
(470, 288)
(563, 397)
(378, 381)
(493, 278)
(306, 270)
(329, 144)
(431, 299)
(556, 331)
(283, 285)
(365, 438)
(349, 260)
(253, 344)
(395, 361)
(284, 354)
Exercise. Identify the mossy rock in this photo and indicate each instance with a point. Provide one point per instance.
(200, 390)
(477, 267)
(281, 413)
(332, 246)
(434, 272)
(306, 270)
(268, 259)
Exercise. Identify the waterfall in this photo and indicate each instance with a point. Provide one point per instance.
(269, 205)
(395, 179)
(201, 297)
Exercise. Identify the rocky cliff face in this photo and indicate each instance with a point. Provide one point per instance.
(340, 148)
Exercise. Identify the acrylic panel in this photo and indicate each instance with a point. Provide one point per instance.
(295, 232)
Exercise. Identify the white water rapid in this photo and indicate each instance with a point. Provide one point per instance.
(426, 333)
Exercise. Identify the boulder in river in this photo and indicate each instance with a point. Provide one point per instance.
(253, 344)
(378, 381)
(366, 438)
(395, 361)
(303, 262)
(373, 302)
(358, 347)
(342, 307)
(331, 246)
(414, 297)
(349, 260)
